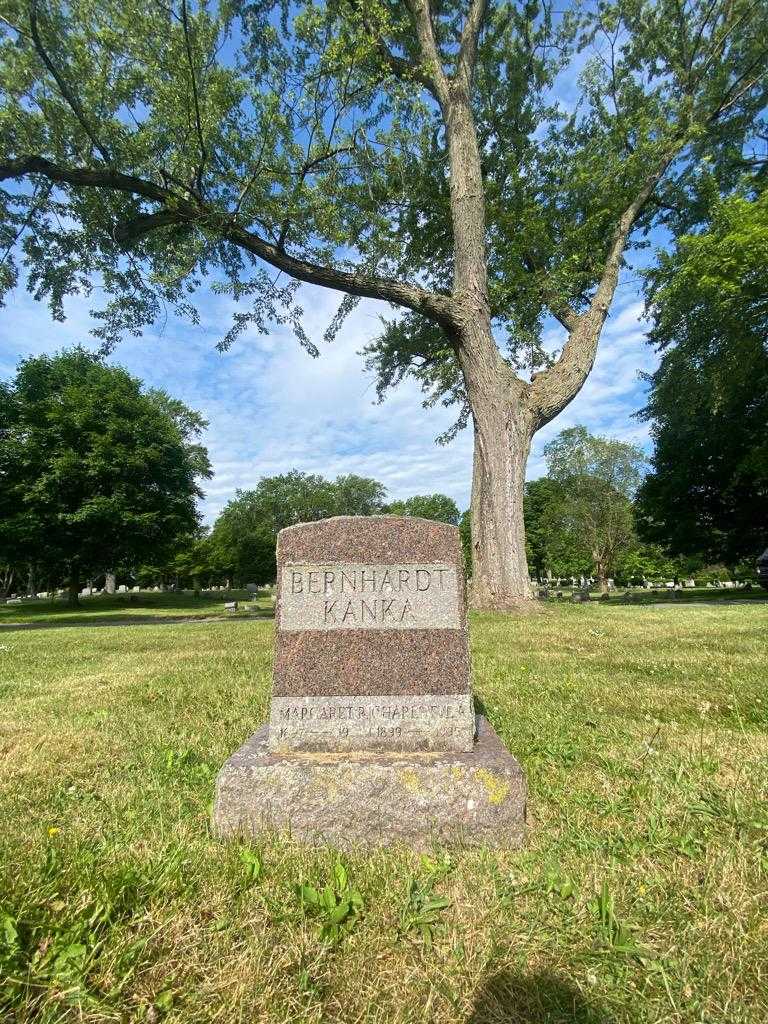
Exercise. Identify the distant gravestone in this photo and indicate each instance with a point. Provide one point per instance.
(372, 736)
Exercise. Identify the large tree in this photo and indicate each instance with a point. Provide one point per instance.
(245, 534)
(708, 404)
(427, 506)
(434, 154)
(597, 479)
(94, 473)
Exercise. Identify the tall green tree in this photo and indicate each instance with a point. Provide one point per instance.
(708, 404)
(553, 547)
(598, 478)
(413, 151)
(427, 506)
(94, 472)
(245, 534)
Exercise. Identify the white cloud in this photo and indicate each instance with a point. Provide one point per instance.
(272, 408)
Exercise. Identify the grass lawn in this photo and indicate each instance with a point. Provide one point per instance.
(144, 605)
(642, 895)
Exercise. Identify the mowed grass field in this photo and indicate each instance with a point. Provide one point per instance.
(143, 606)
(641, 896)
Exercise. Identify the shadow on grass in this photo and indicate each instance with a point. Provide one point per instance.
(512, 998)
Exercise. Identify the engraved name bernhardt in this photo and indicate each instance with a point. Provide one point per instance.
(358, 596)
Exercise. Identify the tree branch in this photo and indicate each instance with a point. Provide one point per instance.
(552, 389)
(66, 92)
(399, 66)
(433, 305)
(129, 231)
(421, 16)
(469, 39)
(22, 167)
(196, 103)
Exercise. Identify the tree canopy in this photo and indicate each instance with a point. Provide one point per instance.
(427, 506)
(94, 472)
(708, 404)
(184, 139)
(244, 536)
(596, 479)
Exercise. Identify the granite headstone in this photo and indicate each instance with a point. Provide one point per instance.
(372, 737)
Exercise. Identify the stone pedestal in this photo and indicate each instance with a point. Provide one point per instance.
(372, 738)
(474, 798)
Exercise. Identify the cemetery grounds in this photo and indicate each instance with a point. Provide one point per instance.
(641, 895)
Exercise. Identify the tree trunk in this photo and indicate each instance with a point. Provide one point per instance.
(110, 583)
(31, 588)
(500, 577)
(601, 574)
(73, 590)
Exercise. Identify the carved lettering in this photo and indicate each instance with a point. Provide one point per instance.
(348, 581)
(369, 597)
(420, 578)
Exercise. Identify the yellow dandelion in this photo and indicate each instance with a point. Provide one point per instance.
(53, 831)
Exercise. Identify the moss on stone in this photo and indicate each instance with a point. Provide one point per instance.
(496, 788)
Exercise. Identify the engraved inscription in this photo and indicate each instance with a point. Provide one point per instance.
(368, 712)
(424, 722)
(353, 596)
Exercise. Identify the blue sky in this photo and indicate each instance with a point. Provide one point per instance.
(273, 408)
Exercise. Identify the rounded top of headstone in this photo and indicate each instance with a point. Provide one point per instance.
(370, 539)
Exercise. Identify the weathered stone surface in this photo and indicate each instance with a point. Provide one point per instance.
(399, 662)
(416, 722)
(371, 607)
(476, 798)
(372, 735)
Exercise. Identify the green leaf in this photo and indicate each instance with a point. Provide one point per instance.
(9, 930)
(340, 912)
(308, 894)
(340, 875)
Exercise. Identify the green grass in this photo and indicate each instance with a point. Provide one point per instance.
(144, 605)
(640, 897)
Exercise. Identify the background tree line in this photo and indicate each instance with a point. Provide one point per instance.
(100, 480)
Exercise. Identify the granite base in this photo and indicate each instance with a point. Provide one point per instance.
(420, 800)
